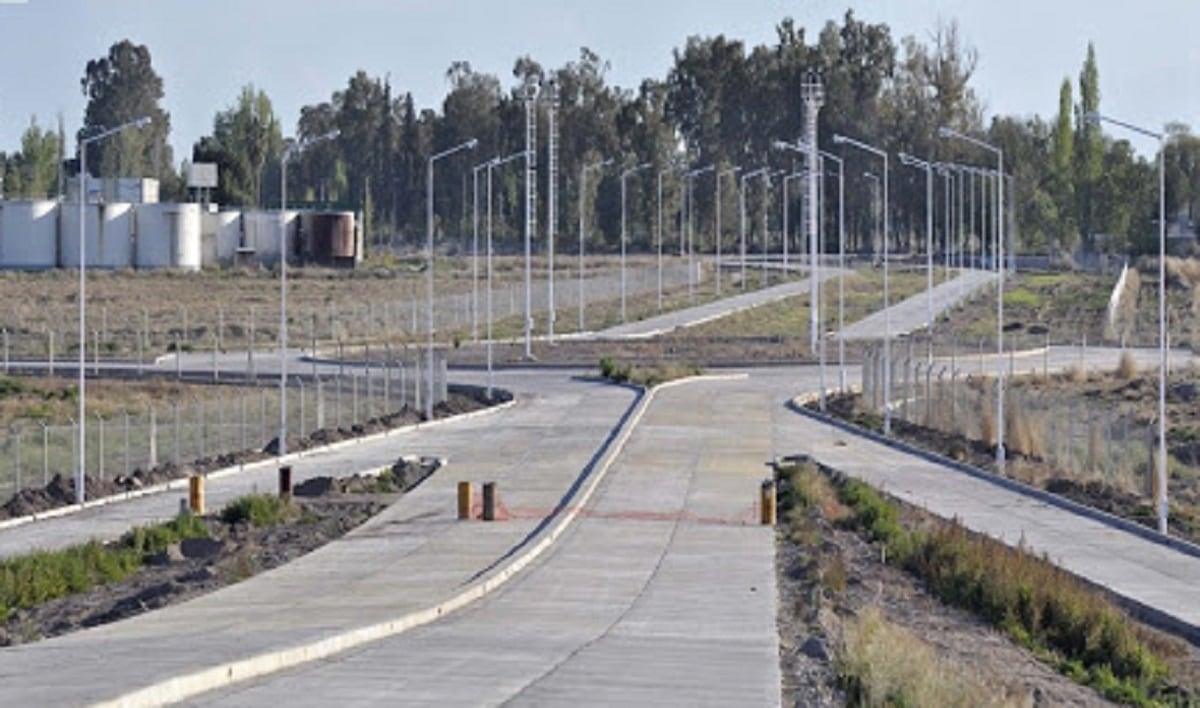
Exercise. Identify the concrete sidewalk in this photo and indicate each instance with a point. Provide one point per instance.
(408, 558)
(1143, 571)
(689, 317)
(911, 313)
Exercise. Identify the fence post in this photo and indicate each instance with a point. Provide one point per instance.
(17, 481)
(95, 353)
(242, 398)
(312, 336)
(370, 388)
(216, 376)
(203, 428)
(387, 378)
(100, 447)
(128, 470)
(354, 399)
(5, 350)
(50, 350)
(45, 454)
(300, 427)
(320, 405)
(153, 462)
(175, 407)
(262, 415)
(178, 359)
(337, 404)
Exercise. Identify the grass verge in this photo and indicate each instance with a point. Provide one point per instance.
(1053, 614)
(648, 375)
(41, 576)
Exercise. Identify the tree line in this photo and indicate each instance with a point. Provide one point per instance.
(721, 103)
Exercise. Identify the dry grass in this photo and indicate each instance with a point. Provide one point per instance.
(1023, 430)
(885, 665)
(1183, 270)
(1127, 367)
(54, 400)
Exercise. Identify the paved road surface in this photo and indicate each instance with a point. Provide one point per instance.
(912, 313)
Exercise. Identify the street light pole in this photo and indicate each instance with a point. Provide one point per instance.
(583, 172)
(730, 171)
(468, 145)
(81, 472)
(925, 165)
(475, 249)
(1161, 457)
(945, 132)
(691, 209)
(887, 315)
(742, 208)
(624, 235)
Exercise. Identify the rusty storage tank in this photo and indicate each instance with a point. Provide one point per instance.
(328, 238)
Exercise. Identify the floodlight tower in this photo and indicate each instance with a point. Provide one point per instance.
(531, 93)
(813, 94)
(551, 201)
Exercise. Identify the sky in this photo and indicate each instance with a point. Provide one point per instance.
(301, 51)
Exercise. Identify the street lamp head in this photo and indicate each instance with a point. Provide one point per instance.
(1091, 117)
(142, 122)
(472, 143)
(944, 132)
(838, 139)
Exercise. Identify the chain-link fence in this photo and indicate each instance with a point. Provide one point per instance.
(1079, 438)
(140, 336)
(190, 430)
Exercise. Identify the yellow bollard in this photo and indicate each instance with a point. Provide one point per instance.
(768, 502)
(464, 500)
(196, 494)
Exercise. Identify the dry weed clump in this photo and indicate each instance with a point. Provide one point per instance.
(1126, 367)
(1024, 431)
(1183, 270)
(884, 664)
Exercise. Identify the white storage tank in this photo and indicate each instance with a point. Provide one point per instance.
(29, 234)
(109, 235)
(168, 236)
(262, 229)
(221, 237)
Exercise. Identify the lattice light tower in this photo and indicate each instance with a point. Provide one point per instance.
(813, 94)
(531, 94)
(551, 200)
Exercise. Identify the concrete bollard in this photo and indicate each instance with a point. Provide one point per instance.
(285, 482)
(768, 502)
(196, 494)
(464, 500)
(489, 501)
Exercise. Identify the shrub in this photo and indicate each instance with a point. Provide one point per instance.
(256, 510)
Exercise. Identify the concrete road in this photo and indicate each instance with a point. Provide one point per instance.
(664, 593)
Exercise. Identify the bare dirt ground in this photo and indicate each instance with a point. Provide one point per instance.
(325, 509)
(61, 490)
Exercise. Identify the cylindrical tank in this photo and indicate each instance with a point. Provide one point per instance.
(168, 236)
(262, 233)
(29, 234)
(115, 249)
(68, 255)
(222, 236)
(186, 231)
(327, 238)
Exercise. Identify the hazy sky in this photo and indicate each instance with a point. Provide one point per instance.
(300, 51)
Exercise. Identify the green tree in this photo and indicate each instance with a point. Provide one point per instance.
(123, 87)
(1089, 144)
(245, 137)
(33, 172)
(1062, 184)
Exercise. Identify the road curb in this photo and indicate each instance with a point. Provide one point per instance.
(179, 688)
